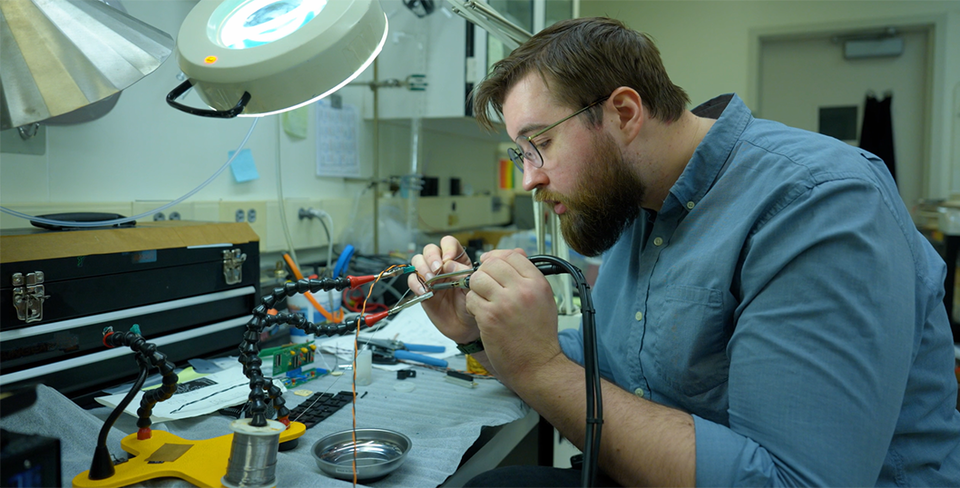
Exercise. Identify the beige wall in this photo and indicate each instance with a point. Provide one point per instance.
(145, 150)
(710, 47)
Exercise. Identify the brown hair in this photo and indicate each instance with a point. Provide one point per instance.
(580, 61)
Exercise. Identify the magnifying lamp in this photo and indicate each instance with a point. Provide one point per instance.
(251, 58)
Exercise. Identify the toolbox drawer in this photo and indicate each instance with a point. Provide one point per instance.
(189, 287)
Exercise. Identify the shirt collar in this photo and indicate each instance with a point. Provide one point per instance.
(710, 156)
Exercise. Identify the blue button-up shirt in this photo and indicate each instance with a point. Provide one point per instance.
(784, 297)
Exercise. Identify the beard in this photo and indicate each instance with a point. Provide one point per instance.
(604, 202)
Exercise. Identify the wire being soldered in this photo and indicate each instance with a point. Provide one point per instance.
(147, 214)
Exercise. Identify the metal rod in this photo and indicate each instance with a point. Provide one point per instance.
(376, 158)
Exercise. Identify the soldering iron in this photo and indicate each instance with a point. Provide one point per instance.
(552, 265)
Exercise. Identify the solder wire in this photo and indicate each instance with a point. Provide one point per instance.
(356, 351)
(253, 455)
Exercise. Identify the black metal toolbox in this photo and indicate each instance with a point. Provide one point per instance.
(188, 286)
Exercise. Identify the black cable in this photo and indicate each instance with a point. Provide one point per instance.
(147, 355)
(102, 465)
(549, 265)
(115, 414)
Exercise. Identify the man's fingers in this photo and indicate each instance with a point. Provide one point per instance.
(428, 264)
(412, 280)
(453, 251)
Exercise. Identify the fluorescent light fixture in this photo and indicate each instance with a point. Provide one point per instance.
(251, 58)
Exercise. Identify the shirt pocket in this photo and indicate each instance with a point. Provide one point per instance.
(690, 348)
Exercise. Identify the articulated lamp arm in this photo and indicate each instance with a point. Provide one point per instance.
(491, 21)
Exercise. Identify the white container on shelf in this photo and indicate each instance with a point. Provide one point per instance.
(948, 218)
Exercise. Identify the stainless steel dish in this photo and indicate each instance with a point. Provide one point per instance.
(379, 453)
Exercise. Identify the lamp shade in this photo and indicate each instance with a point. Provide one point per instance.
(282, 53)
(61, 55)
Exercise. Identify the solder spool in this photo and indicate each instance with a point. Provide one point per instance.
(253, 455)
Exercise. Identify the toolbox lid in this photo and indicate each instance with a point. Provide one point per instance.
(18, 245)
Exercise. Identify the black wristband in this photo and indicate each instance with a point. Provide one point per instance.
(471, 348)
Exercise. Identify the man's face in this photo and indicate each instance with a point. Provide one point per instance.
(584, 177)
(605, 200)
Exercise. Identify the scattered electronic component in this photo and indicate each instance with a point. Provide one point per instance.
(461, 379)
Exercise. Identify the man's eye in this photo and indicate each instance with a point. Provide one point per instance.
(543, 144)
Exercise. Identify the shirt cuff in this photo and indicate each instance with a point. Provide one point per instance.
(725, 458)
(571, 342)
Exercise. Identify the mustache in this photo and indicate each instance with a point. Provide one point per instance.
(547, 195)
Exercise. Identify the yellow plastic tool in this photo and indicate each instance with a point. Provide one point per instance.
(165, 455)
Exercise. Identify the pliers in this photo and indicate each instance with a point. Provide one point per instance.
(386, 351)
(438, 282)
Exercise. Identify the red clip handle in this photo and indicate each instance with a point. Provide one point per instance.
(373, 318)
(356, 281)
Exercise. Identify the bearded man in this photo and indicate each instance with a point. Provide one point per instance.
(767, 313)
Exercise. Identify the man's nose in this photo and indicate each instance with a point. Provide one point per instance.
(533, 177)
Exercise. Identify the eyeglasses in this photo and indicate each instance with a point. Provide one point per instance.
(527, 150)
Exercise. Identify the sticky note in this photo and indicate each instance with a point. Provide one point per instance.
(243, 167)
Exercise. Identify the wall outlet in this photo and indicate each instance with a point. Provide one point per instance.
(180, 211)
(240, 211)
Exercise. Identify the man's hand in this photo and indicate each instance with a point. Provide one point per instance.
(447, 309)
(516, 312)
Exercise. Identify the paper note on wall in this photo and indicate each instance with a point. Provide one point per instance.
(243, 167)
(337, 140)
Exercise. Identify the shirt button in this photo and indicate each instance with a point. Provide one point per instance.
(638, 392)
(657, 241)
(639, 316)
(690, 205)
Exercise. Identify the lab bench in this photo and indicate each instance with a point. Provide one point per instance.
(457, 432)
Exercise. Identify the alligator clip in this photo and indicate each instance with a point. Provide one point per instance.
(409, 303)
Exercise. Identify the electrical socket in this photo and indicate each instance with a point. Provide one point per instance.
(242, 211)
(182, 210)
(304, 232)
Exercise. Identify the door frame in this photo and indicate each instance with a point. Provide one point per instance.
(937, 173)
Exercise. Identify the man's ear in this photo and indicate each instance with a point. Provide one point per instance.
(630, 113)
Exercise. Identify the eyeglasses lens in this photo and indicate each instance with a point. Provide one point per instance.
(525, 150)
(515, 156)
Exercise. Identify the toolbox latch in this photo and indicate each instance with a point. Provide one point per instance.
(233, 266)
(28, 296)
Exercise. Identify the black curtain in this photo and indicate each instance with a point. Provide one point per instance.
(876, 134)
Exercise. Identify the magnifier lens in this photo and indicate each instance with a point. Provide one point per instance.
(251, 23)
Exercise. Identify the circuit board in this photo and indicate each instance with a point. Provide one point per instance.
(290, 357)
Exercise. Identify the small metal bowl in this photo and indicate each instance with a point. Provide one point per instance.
(379, 453)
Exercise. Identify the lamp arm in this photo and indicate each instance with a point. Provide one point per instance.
(491, 21)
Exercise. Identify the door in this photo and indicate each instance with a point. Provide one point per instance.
(801, 76)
